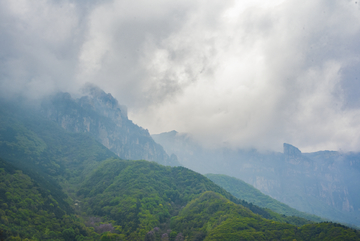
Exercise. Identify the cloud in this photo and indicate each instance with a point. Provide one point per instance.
(244, 73)
(261, 76)
(37, 46)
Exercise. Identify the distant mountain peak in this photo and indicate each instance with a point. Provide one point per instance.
(171, 133)
(290, 150)
(100, 115)
(96, 92)
(104, 100)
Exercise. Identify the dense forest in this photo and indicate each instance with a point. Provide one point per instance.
(60, 185)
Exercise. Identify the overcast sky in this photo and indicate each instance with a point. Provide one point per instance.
(245, 73)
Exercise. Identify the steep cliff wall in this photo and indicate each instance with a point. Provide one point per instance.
(324, 183)
(100, 115)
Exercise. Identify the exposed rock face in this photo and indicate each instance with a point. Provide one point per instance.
(325, 183)
(322, 183)
(291, 151)
(100, 115)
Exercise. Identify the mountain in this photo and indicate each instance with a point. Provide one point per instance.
(100, 115)
(328, 183)
(323, 183)
(29, 210)
(66, 186)
(190, 153)
(213, 217)
(245, 191)
(29, 140)
(146, 199)
(40, 165)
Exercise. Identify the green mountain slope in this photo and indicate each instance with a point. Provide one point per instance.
(28, 210)
(29, 140)
(141, 195)
(44, 164)
(60, 185)
(213, 217)
(244, 191)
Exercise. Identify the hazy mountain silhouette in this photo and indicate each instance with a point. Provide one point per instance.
(324, 183)
(100, 115)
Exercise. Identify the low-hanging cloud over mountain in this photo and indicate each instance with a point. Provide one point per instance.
(244, 73)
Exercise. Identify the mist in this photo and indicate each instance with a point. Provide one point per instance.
(244, 74)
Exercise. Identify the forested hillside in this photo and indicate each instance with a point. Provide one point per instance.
(145, 199)
(213, 217)
(141, 195)
(60, 185)
(29, 140)
(29, 210)
(41, 165)
(244, 191)
(324, 183)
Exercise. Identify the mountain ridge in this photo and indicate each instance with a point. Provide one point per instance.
(245, 191)
(114, 199)
(322, 183)
(100, 115)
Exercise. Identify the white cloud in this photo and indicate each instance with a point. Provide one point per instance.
(258, 76)
(37, 46)
(246, 73)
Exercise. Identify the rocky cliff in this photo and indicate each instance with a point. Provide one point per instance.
(325, 183)
(100, 115)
